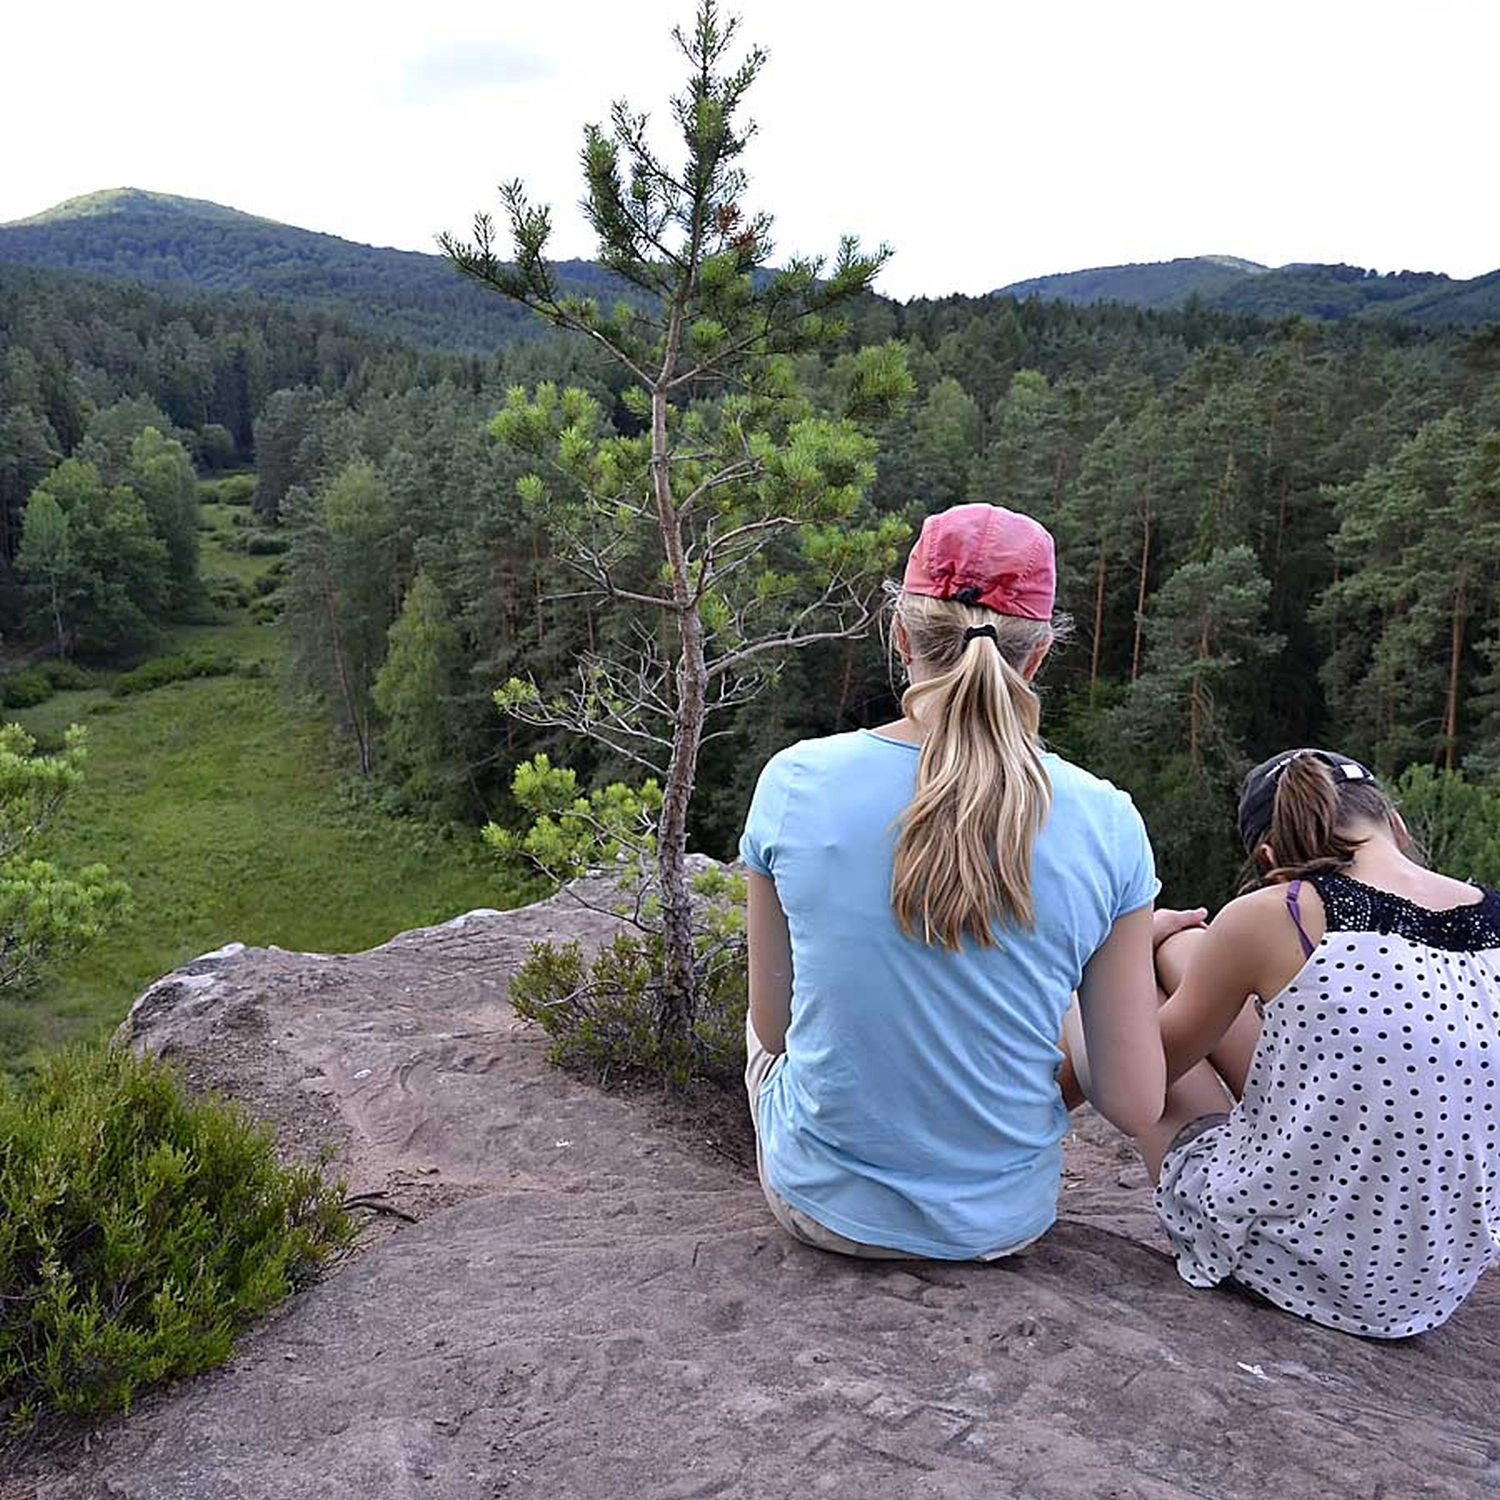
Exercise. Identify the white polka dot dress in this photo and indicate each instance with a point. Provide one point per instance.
(1356, 1182)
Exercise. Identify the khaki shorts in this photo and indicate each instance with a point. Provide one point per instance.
(759, 1065)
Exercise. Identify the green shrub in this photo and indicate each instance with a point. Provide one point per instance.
(216, 448)
(233, 489)
(246, 538)
(268, 610)
(35, 684)
(602, 1015)
(1455, 819)
(606, 1016)
(26, 688)
(225, 591)
(161, 670)
(65, 675)
(140, 1229)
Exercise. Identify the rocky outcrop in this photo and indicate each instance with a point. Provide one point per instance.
(593, 1301)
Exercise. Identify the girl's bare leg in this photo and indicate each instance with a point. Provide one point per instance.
(1212, 1086)
(1231, 1057)
(1067, 1075)
(1200, 1091)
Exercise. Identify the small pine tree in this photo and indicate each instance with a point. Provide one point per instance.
(733, 519)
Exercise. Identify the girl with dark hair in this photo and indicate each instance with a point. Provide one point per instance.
(923, 899)
(1332, 1132)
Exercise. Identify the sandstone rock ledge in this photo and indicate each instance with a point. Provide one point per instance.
(589, 1307)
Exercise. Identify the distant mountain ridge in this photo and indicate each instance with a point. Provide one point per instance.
(1167, 283)
(161, 238)
(1229, 284)
(135, 200)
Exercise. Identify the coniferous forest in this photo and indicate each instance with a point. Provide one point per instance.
(1270, 532)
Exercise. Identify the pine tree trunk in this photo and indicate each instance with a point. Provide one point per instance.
(845, 685)
(679, 995)
(1195, 697)
(679, 1002)
(1140, 596)
(62, 641)
(341, 667)
(536, 589)
(1099, 574)
(1455, 653)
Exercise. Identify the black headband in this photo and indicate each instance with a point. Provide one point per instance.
(1258, 791)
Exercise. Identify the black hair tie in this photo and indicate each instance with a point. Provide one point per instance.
(974, 630)
(969, 594)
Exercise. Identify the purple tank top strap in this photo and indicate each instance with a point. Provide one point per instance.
(1293, 897)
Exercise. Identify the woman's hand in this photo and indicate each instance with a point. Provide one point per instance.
(1165, 923)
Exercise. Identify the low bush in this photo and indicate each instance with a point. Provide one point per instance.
(140, 1230)
(1455, 819)
(161, 670)
(246, 538)
(605, 1015)
(225, 591)
(26, 688)
(602, 1013)
(35, 684)
(65, 675)
(233, 489)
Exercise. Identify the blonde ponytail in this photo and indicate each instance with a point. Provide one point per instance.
(963, 857)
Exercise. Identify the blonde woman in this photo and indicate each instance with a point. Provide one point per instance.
(924, 899)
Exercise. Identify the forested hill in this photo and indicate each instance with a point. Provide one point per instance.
(159, 238)
(1255, 522)
(1318, 291)
(155, 237)
(1164, 283)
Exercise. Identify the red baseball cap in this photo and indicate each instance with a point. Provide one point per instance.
(984, 554)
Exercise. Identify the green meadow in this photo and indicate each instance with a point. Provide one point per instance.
(222, 808)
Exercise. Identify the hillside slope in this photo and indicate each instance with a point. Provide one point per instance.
(1331, 292)
(1165, 283)
(156, 237)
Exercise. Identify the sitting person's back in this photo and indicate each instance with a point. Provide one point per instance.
(917, 1106)
(924, 900)
(1357, 1180)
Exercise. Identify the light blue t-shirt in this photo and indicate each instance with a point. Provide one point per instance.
(916, 1106)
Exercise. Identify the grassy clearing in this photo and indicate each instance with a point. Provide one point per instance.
(221, 808)
(217, 526)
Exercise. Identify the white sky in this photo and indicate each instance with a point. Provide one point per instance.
(986, 141)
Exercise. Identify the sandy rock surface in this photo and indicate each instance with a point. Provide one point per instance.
(595, 1302)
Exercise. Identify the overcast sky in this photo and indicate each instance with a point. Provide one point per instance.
(986, 142)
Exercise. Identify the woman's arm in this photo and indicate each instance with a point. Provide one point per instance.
(1117, 1000)
(770, 946)
(1227, 966)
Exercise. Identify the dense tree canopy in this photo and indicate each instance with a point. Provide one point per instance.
(1269, 532)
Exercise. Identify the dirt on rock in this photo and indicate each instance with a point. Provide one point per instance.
(595, 1303)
